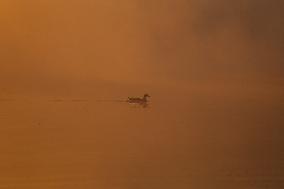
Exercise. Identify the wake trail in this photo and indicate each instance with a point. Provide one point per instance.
(111, 101)
(65, 100)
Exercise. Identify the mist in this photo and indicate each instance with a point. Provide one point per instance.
(180, 42)
(214, 71)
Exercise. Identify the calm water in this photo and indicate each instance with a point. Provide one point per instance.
(194, 141)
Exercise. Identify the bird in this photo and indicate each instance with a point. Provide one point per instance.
(138, 100)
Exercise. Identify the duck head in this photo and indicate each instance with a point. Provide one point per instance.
(146, 95)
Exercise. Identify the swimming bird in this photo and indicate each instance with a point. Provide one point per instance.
(138, 100)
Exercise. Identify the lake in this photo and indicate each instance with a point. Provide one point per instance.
(195, 140)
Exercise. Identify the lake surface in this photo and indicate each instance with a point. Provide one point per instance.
(191, 141)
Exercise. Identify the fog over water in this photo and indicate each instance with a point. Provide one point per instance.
(214, 71)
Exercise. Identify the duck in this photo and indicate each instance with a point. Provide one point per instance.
(138, 100)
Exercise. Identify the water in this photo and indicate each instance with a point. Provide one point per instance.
(193, 141)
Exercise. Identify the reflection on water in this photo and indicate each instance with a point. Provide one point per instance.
(140, 104)
(201, 143)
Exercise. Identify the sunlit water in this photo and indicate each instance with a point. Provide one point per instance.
(200, 142)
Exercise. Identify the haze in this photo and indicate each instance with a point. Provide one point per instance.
(214, 70)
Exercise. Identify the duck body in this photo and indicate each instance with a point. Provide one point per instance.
(138, 100)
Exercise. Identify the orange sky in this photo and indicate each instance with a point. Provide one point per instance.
(135, 41)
